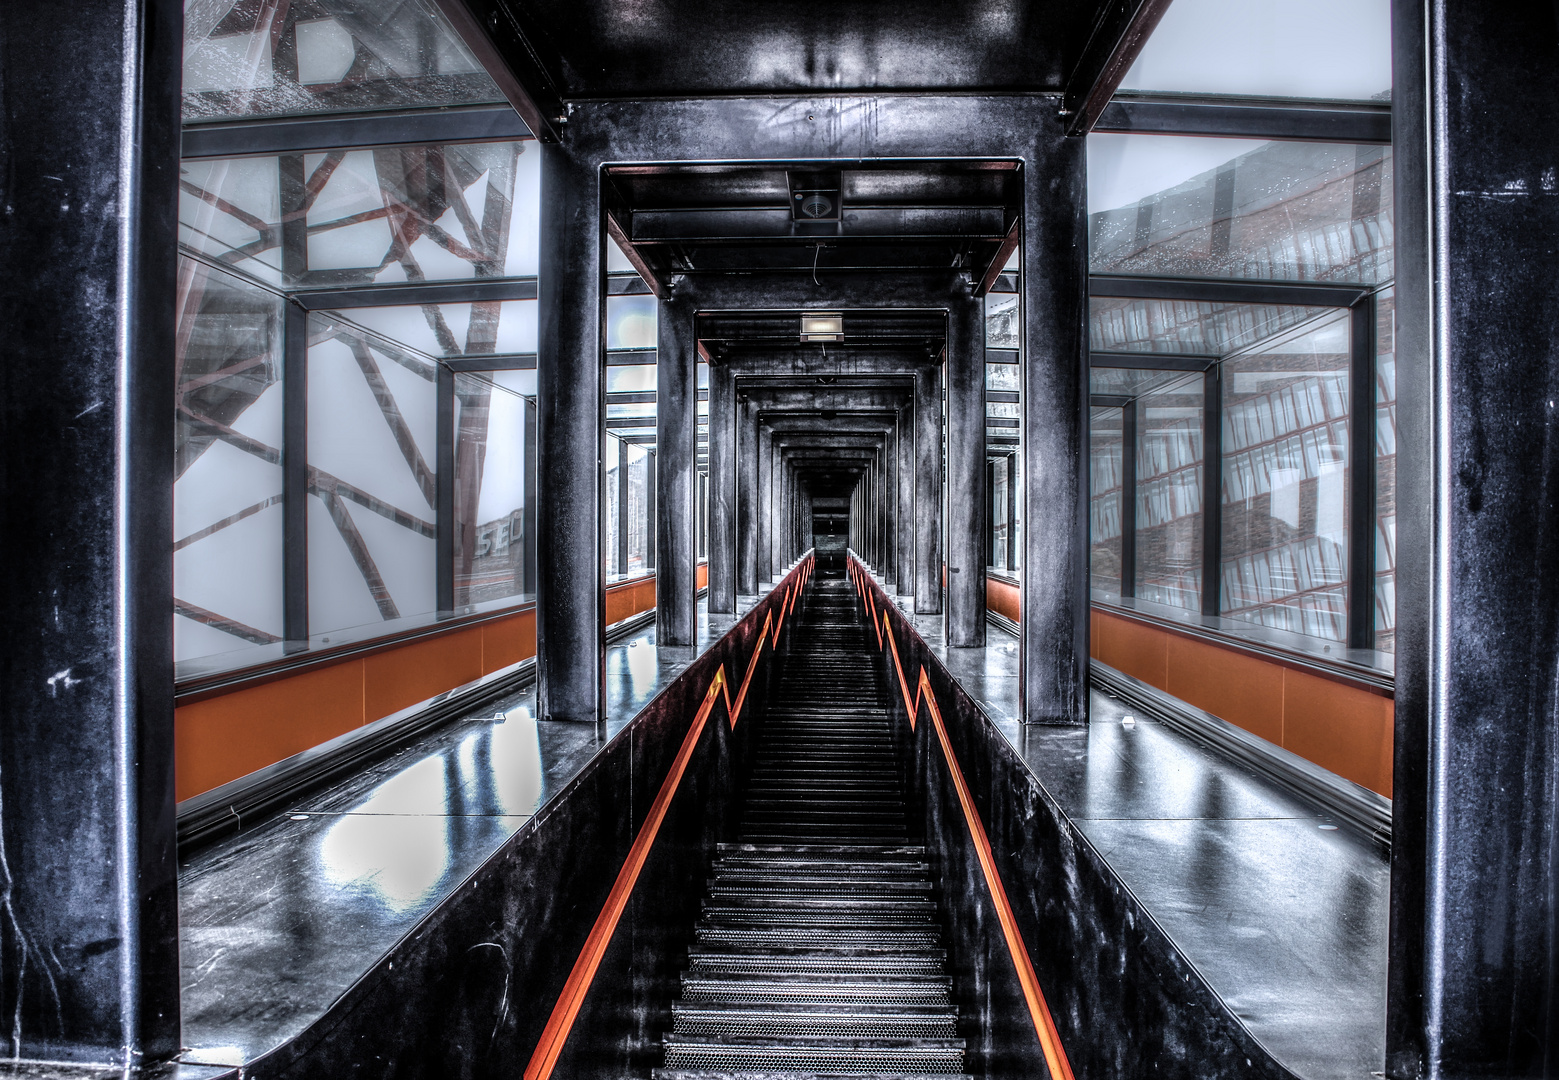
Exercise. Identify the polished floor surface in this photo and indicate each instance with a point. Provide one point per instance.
(280, 920)
(1284, 913)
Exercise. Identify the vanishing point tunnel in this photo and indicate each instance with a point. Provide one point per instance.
(753, 541)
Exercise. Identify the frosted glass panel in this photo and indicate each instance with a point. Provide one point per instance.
(396, 214)
(1001, 321)
(227, 558)
(372, 422)
(630, 322)
(1174, 205)
(1337, 49)
(1105, 449)
(491, 413)
(254, 60)
(495, 326)
(1169, 494)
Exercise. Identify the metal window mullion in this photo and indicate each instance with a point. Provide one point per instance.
(295, 477)
(444, 490)
(622, 507)
(1361, 476)
(1212, 488)
(1129, 499)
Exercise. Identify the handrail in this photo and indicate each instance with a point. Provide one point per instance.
(1039, 1009)
(561, 1022)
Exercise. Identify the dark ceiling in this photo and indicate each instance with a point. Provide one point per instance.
(867, 216)
(700, 48)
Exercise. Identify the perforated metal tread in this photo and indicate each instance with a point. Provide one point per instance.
(818, 951)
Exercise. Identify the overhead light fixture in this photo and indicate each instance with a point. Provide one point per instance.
(822, 326)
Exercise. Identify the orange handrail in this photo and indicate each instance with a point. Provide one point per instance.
(1039, 1010)
(561, 1022)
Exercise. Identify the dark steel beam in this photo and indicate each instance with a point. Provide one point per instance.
(491, 30)
(1122, 30)
(89, 934)
(647, 273)
(722, 491)
(928, 492)
(620, 284)
(1003, 253)
(1212, 491)
(1001, 356)
(904, 432)
(1301, 293)
(1151, 361)
(1248, 119)
(742, 225)
(474, 123)
(1361, 476)
(429, 292)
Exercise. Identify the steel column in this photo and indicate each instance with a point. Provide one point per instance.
(966, 495)
(928, 492)
(1212, 490)
(1129, 499)
(571, 396)
(676, 474)
(722, 491)
(89, 893)
(746, 497)
(650, 477)
(1473, 967)
(765, 481)
(906, 522)
(1361, 476)
(777, 560)
(1053, 685)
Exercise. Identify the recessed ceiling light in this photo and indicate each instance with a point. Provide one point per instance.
(822, 326)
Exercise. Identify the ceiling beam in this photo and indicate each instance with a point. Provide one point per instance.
(1123, 28)
(1227, 291)
(476, 123)
(738, 225)
(1366, 123)
(490, 31)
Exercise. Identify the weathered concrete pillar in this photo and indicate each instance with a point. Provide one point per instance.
(722, 491)
(746, 498)
(904, 570)
(676, 474)
(928, 492)
(765, 501)
(966, 497)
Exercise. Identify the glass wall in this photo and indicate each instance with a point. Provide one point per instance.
(1386, 473)
(627, 528)
(227, 495)
(1285, 493)
(495, 434)
(1105, 480)
(1169, 494)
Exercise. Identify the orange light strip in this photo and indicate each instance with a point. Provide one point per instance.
(561, 1022)
(1039, 1011)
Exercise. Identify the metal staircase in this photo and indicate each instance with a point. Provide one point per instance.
(819, 951)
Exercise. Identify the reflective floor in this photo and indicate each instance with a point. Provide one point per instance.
(1283, 913)
(278, 921)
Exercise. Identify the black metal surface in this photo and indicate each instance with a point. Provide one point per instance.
(479, 123)
(1231, 291)
(1334, 122)
(676, 444)
(927, 410)
(722, 490)
(1128, 576)
(1118, 37)
(1212, 484)
(89, 934)
(436, 292)
(966, 495)
(1151, 361)
(568, 52)
(1361, 475)
(295, 476)
(1474, 968)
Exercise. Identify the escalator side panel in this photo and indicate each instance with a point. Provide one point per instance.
(1125, 1001)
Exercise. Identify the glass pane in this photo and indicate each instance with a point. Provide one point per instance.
(1386, 473)
(1129, 382)
(637, 511)
(1337, 49)
(1001, 321)
(1002, 376)
(630, 378)
(999, 523)
(269, 59)
(1188, 327)
(1105, 442)
(1179, 206)
(372, 419)
(1169, 494)
(227, 492)
(492, 326)
(491, 415)
(631, 322)
(356, 217)
(612, 506)
(1285, 465)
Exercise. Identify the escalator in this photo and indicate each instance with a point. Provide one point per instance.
(819, 948)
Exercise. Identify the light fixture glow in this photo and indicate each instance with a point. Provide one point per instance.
(822, 326)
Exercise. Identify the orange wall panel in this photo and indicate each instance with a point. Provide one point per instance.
(1242, 689)
(1135, 648)
(703, 575)
(1341, 728)
(626, 601)
(397, 678)
(1002, 598)
(223, 738)
(508, 641)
